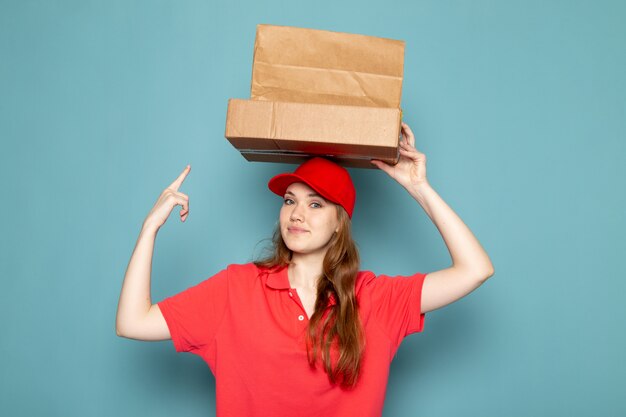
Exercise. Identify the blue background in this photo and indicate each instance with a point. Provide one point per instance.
(520, 108)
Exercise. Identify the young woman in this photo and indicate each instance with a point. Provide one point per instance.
(303, 332)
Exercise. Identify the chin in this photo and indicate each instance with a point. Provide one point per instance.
(295, 248)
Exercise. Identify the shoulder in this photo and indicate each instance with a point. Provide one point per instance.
(247, 273)
(242, 269)
(368, 281)
(364, 281)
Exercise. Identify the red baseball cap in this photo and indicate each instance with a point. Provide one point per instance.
(330, 180)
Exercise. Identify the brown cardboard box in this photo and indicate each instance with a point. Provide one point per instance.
(320, 93)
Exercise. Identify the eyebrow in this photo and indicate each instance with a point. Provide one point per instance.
(310, 195)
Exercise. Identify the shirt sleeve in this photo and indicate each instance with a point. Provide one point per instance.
(397, 304)
(193, 316)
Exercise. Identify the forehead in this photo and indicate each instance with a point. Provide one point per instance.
(300, 188)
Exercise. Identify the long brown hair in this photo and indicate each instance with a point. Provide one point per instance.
(335, 325)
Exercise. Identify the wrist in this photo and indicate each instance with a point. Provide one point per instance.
(420, 188)
(420, 191)
(149, 228)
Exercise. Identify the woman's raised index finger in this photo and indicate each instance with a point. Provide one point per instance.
(179, 181)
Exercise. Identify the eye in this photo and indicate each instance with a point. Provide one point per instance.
(316, 205)
(288, 201)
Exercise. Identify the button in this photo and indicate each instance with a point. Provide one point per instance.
(290, 294)
(300, 317)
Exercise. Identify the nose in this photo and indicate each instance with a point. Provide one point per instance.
(297, 213)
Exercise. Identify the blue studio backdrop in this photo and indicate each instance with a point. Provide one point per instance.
(520, 108)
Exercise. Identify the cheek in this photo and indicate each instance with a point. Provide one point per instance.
(283, 215)
(283, 220)
(327, 224)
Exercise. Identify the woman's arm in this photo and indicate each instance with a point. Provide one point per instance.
(136, 317)
(471, 265)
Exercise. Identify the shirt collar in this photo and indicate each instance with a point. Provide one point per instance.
(278, 279)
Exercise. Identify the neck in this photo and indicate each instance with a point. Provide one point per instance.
(305, 270)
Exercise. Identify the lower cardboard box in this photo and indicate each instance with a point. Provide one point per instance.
(271, 131)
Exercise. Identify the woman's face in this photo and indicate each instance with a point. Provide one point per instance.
(307, 220)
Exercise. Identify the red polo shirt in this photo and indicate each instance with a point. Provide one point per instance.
(248, 325)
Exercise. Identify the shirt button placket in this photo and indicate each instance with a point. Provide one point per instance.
(300, 317)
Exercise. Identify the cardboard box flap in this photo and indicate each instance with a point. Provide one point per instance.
(316, 66)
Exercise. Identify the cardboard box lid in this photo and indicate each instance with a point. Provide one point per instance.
(316, 66)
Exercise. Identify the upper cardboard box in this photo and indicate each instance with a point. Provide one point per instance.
(316, 66)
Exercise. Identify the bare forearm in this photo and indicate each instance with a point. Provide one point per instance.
(135, 299)
(465, 250)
